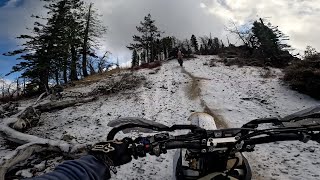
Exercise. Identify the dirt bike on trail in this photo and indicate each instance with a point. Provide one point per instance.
(216, 154)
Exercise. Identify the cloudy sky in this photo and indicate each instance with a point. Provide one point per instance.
(299, 19)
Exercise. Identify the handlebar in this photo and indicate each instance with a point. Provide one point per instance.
(279, 137)
(160, 143)
(179, 145)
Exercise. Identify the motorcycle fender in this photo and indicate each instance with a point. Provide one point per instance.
(203, 120)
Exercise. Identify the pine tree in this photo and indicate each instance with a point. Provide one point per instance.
(194, 43)
(214, 46)
(270, 42)
(85, 42)
(53, 46)
(167, 45)
(187, 46)
(143, 57)
(147, 40)
(201, 50)
(206, 44)
(93, 30)
(134, 59)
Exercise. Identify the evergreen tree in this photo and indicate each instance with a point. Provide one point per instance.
(206, 44)
(93, 30)
(143, 57)
(270, 42)
(147, 40)
(53, 47)
(135, 61)
(194, 43)
(167, 43)
(201, 49)
(214, 46)
(187, 46)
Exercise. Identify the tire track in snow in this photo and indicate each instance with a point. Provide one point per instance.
(194, 91)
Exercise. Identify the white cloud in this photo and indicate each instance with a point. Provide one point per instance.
(297, 18)
(202, 5)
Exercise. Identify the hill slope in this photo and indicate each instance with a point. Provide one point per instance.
(232, 95)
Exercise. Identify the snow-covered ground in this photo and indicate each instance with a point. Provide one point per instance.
(240, 95)
(237, 95)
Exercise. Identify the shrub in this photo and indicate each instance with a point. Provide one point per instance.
(151, 65)
(304, 76)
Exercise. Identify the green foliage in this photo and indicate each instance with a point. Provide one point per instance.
(148, 38)
(55, 46)
(194, 43)
(304, 75)
(264, 43)
(167, 45)
(135, 58)
(310, 54)
(210, 46)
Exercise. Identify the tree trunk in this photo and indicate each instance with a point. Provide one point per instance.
(92, 71)
(73, 67)
(65, 66)
(24, 86)
(57, 77)
(85, 44)
(147, 60)
(152, 52)
(44, 81)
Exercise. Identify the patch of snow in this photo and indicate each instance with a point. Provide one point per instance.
(24, 173)
(237, 94)
(240, 95)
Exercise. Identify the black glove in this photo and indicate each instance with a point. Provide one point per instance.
(112, 153)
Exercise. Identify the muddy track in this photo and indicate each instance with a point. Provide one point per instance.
(193, 92)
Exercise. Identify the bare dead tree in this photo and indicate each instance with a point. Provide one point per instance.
(102, 62)
(243, 35)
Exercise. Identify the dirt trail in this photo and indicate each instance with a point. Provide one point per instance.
(194, 92)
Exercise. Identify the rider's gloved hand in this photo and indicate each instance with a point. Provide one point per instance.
(112, 153)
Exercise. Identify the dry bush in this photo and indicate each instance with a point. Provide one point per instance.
(126, 82)
(267, 73)
(151, 65)
(243, 56)
(97, 77)
(304, 76)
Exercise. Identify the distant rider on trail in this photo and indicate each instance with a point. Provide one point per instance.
(180, 55)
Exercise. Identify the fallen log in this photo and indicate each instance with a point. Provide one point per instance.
(47, 107)
(24, 152)
(32, 113)
(32, 144)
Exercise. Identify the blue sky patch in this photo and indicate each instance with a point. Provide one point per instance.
(3, 2)
(16, 3)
